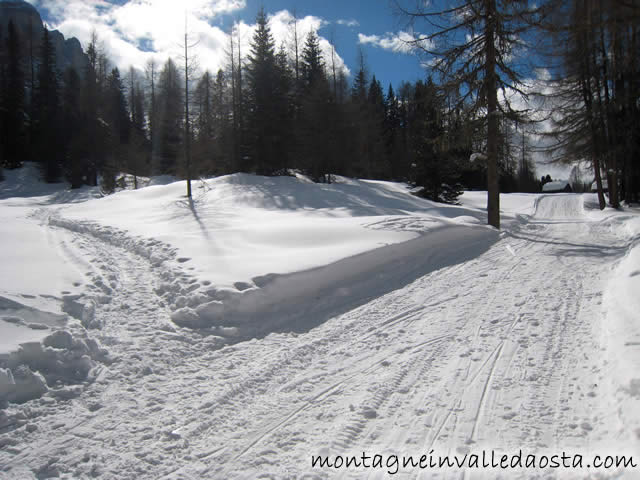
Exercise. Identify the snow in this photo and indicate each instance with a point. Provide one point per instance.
(566, 207)
(242, 235)
(622, 305)
(512, 205)
(36, 268)
(242, 226)
(274, 319)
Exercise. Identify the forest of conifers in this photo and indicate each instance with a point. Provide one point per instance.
(273, 110)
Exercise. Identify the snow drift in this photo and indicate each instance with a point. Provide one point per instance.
(622, 305)
(301, 300)
(249, 255)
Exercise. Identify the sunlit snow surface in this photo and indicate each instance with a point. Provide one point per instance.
(272, 319)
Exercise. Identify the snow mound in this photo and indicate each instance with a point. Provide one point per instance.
(249, 254)
(20, 323)
(622, 304)
(36, 367)
(559, 207)
(301, 300)
(38, 352)
(512, 205)
(21, 385)
(26, 183)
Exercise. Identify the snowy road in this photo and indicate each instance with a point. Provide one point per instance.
(503, 352)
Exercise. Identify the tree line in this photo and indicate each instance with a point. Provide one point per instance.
(273, 110)
(269, 112)
(589, 51)
(597, 91)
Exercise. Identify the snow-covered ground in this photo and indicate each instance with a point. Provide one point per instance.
(273, 319)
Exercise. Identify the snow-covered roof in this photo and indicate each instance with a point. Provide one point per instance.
(555, 186)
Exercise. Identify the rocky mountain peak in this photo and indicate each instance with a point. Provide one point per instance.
(28, 23)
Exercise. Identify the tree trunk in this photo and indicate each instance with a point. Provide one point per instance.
(493, 189)
(187, 133)
(234, 105)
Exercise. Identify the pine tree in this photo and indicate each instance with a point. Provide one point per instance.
(262, 89)
(238, 104)
(46, 111)
(170, 119)
(117, 111)
(13, 103)
(358, 122)
(285, 111)
(474, 50)
(74, 131)
(596, 90)
(318, 128)
(374, 138)
(137, 151)
(204, 145)
(95, 131)
(313, 72)
(359, 89)
(118, 119)
(426, 133)
(152, 107)
(392, 135)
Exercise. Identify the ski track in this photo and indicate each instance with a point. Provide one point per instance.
(457, 360)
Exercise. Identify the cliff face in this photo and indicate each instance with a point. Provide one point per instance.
(29, 25)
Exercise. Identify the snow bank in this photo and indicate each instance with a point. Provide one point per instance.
(40, 349)
(21, 323)
(247, 244)
(301, 300)
(35, 270)
(20, 386)
(512, 205)
(560, 207)
(23, 186)
(37, 267)
(35, 368)
(622, 304)
(241, 226)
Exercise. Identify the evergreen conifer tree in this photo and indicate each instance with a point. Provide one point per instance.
(13, 103)
(262, 97)
(46, 111)
(170, 118)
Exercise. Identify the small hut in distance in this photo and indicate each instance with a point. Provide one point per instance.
(557, 186)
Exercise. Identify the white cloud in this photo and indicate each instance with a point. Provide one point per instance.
(141, 29)
(128, 31)
(401, 42)
(540, 103)
(281, 27)
(348, 23)
(280, 24)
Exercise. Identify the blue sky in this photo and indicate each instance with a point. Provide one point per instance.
(373, 17)
(134, 30)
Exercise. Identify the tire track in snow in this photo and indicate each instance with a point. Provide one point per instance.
(372, 406)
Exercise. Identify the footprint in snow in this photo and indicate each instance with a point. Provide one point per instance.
(369, 413)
